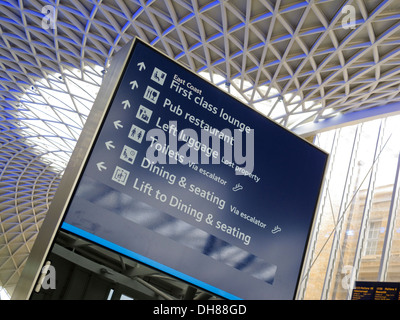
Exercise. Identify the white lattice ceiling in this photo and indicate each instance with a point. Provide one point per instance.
(298, 62)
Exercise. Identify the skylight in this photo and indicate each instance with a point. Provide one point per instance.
(54, 110)
(4, 294)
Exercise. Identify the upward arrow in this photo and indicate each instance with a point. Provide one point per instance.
(126, 104)
(133, 84)
(141, 66)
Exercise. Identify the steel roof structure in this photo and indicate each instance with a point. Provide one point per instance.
(308, 65)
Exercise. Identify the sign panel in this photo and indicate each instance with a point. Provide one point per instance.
(187, 179)
(367, 290)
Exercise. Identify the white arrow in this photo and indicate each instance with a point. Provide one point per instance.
(141, 66)
(109, 145)
(117, 124)
(133, 84)
(126, 104)
(101, 166)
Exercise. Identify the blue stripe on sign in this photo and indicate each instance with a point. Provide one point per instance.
(152, 263)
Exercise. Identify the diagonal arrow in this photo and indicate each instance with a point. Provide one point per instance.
(101, 166)
(117, 124)
(133, 84)
(109, 145)
(126, 104)
(141, 66)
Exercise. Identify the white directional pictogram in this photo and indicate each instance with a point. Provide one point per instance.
(144, 114)
(120, 175)
(101, 166)
(136, 133)
(117, 124)
(158, 76)
(109, 145)
(126, 104)
(151, 94)
(133, 84)
(141, 66)
(128, 154)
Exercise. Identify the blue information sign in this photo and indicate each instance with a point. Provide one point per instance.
(187, 179)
